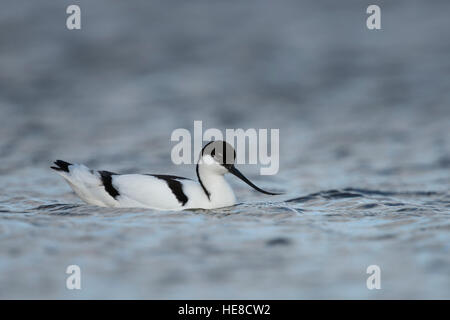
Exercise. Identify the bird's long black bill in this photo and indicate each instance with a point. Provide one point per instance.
(238, 174)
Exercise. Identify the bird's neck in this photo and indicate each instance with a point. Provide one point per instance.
(216, 188)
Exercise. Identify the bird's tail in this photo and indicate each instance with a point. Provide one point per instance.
(61, 166)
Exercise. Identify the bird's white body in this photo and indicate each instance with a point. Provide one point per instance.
(164, 192)
(147, 191)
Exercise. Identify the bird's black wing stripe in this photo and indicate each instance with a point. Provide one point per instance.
(107, 183)
(174, 185)
(167, 177)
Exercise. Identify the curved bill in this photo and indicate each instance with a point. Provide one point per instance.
(238, 174)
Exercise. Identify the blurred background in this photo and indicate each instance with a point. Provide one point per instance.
(364, 119)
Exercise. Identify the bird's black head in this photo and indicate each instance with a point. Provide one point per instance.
(218, 157)
(222, 152)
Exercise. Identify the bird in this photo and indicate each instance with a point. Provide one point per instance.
(159, 191)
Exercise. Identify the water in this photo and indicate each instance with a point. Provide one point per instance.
(364, 153)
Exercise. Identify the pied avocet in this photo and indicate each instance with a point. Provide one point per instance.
(164, 192)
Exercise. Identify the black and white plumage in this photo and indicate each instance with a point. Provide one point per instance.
(164, 192)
